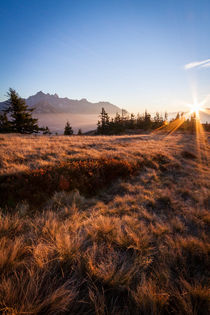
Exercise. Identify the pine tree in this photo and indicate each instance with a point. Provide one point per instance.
(192, 125)
(147, 120)
(132, 121)
(118, 124)
(79, 132)
(5, 125)
(68, 129)
(103, 123)
(20, 114)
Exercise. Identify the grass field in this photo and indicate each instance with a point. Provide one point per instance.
(104, 224)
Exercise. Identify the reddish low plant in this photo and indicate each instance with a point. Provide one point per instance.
(88, 176)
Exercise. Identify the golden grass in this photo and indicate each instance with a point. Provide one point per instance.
(137, 246)
(22, 153)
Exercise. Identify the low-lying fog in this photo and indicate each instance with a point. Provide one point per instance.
(56, 122)
(87, 122)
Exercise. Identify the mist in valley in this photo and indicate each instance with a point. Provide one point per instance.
(56, 121)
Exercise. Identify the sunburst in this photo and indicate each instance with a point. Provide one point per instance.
(196, 108)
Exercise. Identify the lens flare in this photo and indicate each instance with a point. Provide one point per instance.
(196, 108)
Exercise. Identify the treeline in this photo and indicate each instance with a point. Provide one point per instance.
(188, 124)
(120, 123)
(145, 122)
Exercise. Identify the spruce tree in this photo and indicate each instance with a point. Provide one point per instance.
(20, 115)
(79, 132)
(118, 124)
(68, 129)
(132, 121)
(147, 120)
(5, 125)
(104, 122)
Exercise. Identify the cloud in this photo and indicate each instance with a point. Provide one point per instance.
(206, 65)
(198, 64)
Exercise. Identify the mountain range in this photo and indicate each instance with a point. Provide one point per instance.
(45, 103)
(52, 103)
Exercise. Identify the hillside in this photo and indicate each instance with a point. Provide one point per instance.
(104, 225)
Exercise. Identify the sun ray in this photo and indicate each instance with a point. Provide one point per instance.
(178, 124)
(161, 127)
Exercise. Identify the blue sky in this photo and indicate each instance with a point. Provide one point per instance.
(131, 53)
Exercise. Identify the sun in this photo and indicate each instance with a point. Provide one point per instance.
(195, 108)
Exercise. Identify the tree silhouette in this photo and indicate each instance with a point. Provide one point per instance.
(20, 115)
(5, 125)
(103, 123)
(68, 129)
(79, 131)
(147, 120)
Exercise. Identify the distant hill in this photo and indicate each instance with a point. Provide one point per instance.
(48, 103)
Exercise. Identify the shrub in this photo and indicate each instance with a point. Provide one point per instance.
(89, 176)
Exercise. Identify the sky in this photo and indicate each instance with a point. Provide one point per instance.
(135, 54)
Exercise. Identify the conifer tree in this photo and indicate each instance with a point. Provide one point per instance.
(20, 114)
(147, 120)
(5, 125)
(103, 123)
(132, 121)
(68, 129)
(79, 132)
(118, 124)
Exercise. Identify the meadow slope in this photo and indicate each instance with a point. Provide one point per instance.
(104, 224)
